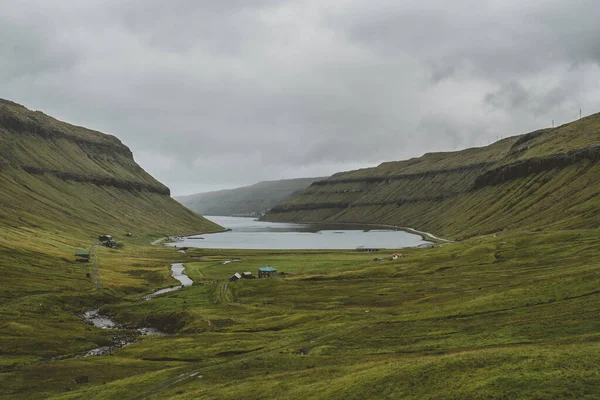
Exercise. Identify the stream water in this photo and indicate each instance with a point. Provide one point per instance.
(94, 317)
(177, 273)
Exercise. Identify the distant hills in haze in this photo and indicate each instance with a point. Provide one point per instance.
(248, 200)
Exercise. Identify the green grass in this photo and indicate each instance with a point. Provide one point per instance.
(510, 315)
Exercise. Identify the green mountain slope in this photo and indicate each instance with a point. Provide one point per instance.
(254, 199)
(60, 187)
(56, 175)
(543, 179)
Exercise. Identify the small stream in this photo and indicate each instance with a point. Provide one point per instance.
(94, 317)
(177, 273)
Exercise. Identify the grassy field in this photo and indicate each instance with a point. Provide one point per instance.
(503, 316)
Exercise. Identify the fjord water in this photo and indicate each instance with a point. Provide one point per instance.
(249, 233)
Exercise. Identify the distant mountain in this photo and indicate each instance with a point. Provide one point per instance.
(247, 200)
(547, 179)
(54, 175)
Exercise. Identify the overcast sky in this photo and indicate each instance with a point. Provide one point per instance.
(218, 94)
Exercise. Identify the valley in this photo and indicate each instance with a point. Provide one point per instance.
(507, 309)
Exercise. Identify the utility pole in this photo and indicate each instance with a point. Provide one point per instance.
(553, 123)
(580, 113)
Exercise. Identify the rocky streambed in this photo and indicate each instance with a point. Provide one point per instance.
(94, 317)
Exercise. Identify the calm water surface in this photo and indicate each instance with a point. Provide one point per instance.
(248, 233)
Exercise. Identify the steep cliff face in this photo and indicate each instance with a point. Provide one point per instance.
(544, 179)
(56, 174)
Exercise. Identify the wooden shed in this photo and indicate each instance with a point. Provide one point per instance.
(235, 277)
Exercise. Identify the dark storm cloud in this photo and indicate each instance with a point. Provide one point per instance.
(215, 94)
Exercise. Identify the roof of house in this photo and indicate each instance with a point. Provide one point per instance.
(82, 253)
(268, 268)
(237, 275)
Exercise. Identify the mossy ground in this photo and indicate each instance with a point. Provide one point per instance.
(512, 315)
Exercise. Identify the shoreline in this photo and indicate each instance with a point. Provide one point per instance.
(170, 238)
(426, 236)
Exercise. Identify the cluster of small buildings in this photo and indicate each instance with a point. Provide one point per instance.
(107, 240)
(263, 272)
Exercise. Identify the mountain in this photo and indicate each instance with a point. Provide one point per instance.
(56, 175)
(544, 179)
(508, 315)
(247, 200)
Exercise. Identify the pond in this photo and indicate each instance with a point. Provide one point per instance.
(249, 233)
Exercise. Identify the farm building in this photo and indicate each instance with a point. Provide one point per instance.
(82, 256)
(267, 272)
(235, 277)
(247, 275)
(396, 256)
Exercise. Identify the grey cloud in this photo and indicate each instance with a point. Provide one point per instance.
(510, 96)
(228, 93)
(27, 54)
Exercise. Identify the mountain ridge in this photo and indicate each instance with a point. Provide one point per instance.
(468, 192)
(248, 200)
(77, 174)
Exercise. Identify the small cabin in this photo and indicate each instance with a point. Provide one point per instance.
(82, 256)
(396, 256)
(235, 277)
(267, 272)
(247, 275)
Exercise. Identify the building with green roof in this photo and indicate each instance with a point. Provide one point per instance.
(267, 272)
